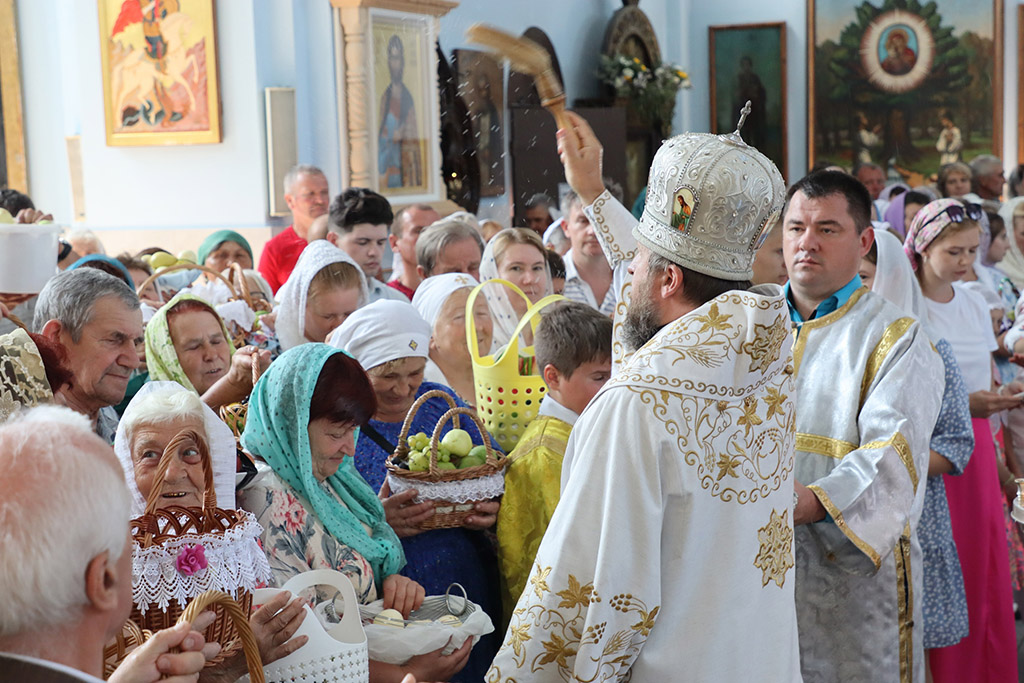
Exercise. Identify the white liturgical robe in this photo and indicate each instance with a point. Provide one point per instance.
(670, 554)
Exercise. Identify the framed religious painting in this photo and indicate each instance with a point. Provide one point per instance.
(480, 84)
(159, 62)
(748, 64)
(13, 167)
(403, 90)
(905, 84)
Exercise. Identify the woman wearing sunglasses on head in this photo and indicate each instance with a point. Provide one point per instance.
(942, 244)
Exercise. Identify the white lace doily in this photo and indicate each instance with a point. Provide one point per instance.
(234, 562)
(237, 312)
(464, 491)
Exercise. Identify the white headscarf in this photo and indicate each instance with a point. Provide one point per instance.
(895, 280)
(383, 331)
(1013, 263)
(433, 292)
(291, 311)
(503, 315)
(218, 436)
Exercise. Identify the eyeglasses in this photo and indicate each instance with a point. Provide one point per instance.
(957, 213)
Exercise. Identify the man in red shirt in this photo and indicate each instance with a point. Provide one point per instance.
(405, 230)
(305, 191)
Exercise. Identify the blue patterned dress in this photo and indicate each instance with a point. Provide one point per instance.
(945, 603)
(439, 557)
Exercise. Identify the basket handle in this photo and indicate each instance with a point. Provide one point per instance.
(427, 395)
(453, 415)
(17, 321)
(329, 577)
(241, 621)
(474, 345)
(242, 289)
(210, 497)
(530, 318)
(186, 266)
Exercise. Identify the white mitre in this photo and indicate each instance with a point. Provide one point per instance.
(711, 200)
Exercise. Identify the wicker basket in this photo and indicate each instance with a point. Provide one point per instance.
(160, 526)
(131, 636)
(506, 399)
(447, 513)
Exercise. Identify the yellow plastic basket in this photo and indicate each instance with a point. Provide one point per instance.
(506, 400)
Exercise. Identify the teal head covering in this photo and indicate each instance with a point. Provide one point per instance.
(276, 430)
(218, 238)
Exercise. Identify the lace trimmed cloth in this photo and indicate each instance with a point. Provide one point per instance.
(463, 491)
(22, 375)
(235, 562)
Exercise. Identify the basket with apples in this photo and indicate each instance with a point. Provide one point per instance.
(452, 472)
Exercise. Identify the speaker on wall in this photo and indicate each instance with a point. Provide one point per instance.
(282, 144)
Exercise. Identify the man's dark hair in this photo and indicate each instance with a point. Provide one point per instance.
(15, 201)
(556, 264)
(698, 288)
(915, 197)
(359, 205)
(823, 184)
(865, 164)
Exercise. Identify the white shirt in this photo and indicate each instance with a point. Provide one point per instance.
(965, 323)
(549, 407)
(578, 289)
(379, 290)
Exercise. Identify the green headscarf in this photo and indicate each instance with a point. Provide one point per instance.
(161, 358)
(276, 429)
(218, 238)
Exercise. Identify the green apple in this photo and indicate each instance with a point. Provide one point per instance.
(6, 217)
(162, 259)
(419, 462)
(458, 442)
(471, 461)
(187, 255)
(446, 466)
(479, 452)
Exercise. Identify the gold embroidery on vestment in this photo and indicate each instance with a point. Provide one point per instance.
(823, 445)
(775, 556)
(905, 605)
(840, 522)
(893, 333)
(801, 337)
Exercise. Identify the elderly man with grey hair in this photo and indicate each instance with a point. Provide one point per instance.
(61, 602)
(450, 245)
(988, 180)
(96, 317)
(306, 193)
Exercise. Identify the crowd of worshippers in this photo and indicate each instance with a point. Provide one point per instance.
(330, 348)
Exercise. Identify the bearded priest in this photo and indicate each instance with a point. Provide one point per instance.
(670, 554)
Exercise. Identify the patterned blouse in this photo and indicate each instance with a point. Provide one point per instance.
(295, 540)
(945, 603)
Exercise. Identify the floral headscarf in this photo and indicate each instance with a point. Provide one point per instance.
(276, 429)
(928, 224)
(23, 381)
(161, 357)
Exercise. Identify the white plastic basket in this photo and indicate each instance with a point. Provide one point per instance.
(28, 256)
(335, 655)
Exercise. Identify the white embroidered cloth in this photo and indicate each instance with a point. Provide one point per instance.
(234, 562)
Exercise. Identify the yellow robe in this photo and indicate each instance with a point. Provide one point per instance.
(531, 494)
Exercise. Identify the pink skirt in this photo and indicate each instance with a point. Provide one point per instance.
(989, 652)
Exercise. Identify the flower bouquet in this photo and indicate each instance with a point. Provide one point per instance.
(650, 91)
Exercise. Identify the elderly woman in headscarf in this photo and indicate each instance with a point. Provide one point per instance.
(944, 604)
(391, 341)
(188, 343)
(516, 255)
(441, 301)
(223, 249)
(324, 289)
(317, 511)
(158, 414)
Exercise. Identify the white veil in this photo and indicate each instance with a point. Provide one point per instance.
(503, 315)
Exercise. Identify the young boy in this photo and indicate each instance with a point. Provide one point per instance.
(573, 347)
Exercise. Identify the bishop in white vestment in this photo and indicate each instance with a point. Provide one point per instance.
(670, 555)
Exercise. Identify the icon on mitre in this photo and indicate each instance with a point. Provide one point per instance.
(682, 207)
